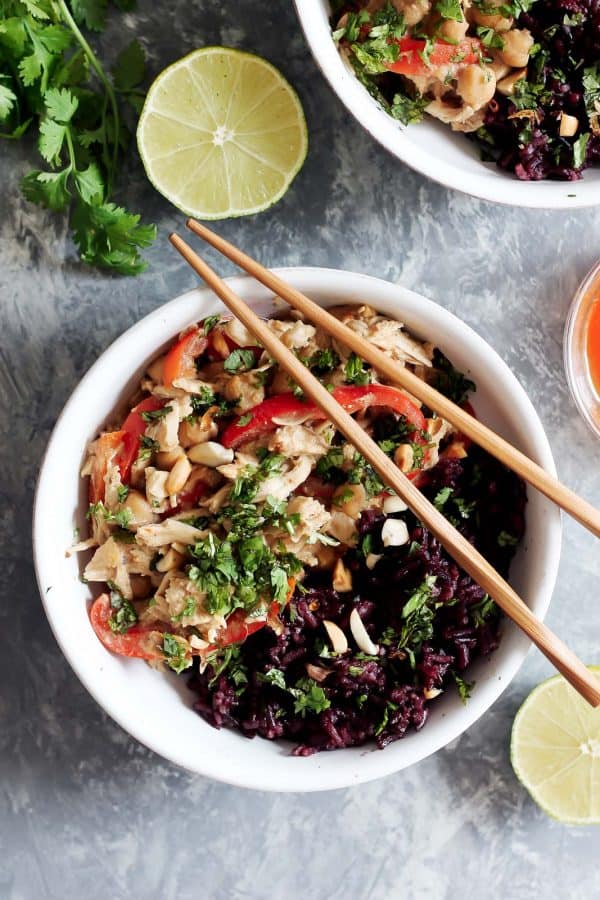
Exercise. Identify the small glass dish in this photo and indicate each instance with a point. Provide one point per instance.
(575, 350)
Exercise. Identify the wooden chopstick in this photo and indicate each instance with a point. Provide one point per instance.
(462, 551)
(497, 446)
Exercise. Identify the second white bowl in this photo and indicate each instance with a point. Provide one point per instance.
(430, 147)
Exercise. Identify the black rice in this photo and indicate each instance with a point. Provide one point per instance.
(380, 698)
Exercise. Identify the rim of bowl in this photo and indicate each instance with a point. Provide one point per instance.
(495, 185)
(575, 351)
(348, 284)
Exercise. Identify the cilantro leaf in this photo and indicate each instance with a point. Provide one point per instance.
(49, 189)
(239, 360)
(579, 149)
(176, 656)
(109, 237)
(90, 184)
(130, 67)
(408, 110)
(310, 697)
(450, 9)
(355, 372)
(51, 140)
(124, 615)
(61, 104)
(464, 687)
(8, 98)
(91, 13)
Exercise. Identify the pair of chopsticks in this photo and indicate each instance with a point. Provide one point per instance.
(460, 549)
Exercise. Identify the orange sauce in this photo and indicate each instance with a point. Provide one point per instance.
(593, 344)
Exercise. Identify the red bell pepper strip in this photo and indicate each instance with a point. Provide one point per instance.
(179, 361)
(415, 60)
(105, 448)
(126, 442)
(351, 398)
(133, 428)
(135, 642)
(238, 628)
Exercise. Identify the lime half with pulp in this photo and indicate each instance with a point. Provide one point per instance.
(555, 751)
(222, 133)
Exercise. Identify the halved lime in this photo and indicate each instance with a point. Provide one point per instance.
(555, 751)
(222, 133)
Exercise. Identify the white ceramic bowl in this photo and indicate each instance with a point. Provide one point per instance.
(155, 708)
(430, 147)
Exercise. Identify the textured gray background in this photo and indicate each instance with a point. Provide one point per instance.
(85, 810)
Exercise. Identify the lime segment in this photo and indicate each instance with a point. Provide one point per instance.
(222, 134)
(555, 751)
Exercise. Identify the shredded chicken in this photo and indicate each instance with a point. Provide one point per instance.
(166, 534)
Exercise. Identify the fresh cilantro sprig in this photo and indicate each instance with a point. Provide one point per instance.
(52, 81)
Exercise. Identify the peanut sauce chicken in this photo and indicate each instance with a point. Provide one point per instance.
(223, 485)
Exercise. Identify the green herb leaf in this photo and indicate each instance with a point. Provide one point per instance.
(442, 497)
(464, 687)
(505, 539)
(310, 697)
(448, 380)
(124, 615)
(152, 415)
(408, 110)
(355, 372)
(450, 9)
(176, 654)
(239, 360)
(130, 67)
(579, 149)
(209, 323)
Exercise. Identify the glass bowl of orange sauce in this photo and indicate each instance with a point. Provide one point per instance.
(582, 349)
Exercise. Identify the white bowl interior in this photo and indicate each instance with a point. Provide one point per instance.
(430, 147)
(155, 708)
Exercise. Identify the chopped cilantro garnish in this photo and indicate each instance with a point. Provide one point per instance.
(505, 539)
(408, 110)
(124, 615)
(464, 508)
(482, 610)
(322, 361)
(450, 9)
(418, 618)
(239, 360)
(175, 651)
(149, 443)
(122, 492)
(209, 323)
(152, 414)
(355, 371)
(464, 687)
(206, 400)
(122, 517)
(389, 707)
(579, 149)
(448, 380)
(244, 420)
(489, 37)
(329, 467)
(188, 610)
(309, 697)
(274, 677)
(442, 497)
